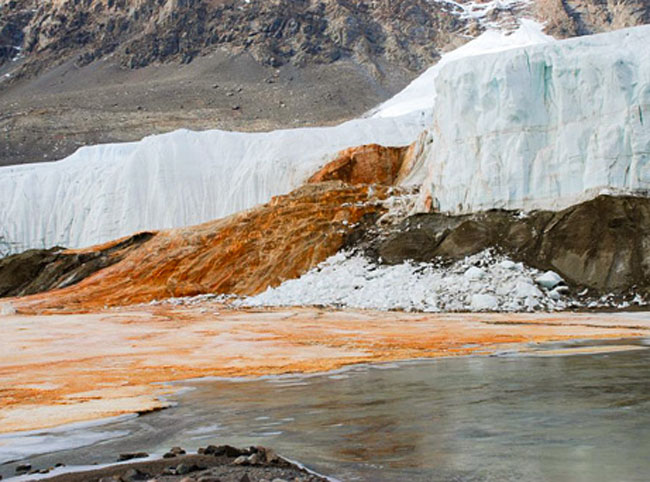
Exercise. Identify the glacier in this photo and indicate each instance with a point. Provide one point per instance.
(182, 178)
(542, 127)
(516, 121)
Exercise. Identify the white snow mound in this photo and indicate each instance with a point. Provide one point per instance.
(483, 282)
(7, 309)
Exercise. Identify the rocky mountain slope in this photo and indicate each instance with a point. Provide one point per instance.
(407, 33)
(568, 18)
(76, 73)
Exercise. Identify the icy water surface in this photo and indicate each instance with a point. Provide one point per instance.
(506, 418)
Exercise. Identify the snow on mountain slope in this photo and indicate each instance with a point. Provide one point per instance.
(542, 127)
(178, 179)
(420, 95)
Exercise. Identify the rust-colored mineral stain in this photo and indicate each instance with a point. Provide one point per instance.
(95, 365)
(242, 254)
(369, 164)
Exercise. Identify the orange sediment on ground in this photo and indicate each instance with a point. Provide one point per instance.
(63, 368)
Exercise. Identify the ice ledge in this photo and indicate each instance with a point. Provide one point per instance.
(542, 127)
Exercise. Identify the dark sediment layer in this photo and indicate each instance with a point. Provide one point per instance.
(602, 244)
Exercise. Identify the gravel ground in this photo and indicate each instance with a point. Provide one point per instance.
(212, 464)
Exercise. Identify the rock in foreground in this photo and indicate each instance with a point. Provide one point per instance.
(214, 463)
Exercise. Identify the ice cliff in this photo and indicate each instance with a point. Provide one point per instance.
(182, 178)
(543, 126)
(420, 95)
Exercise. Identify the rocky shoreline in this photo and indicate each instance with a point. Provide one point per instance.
(222, 463)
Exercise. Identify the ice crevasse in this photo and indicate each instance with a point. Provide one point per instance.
(542, 127)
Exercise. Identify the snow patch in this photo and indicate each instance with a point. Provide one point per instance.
(483, 282)
(7, 309)
(481, 10)
(549, 280)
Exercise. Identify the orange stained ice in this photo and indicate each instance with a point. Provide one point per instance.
(62, 368)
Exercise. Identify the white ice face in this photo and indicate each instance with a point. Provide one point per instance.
(105, 192)
(538, 124)
(542, 127)
(420, 95)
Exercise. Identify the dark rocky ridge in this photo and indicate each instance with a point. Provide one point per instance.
(568, 18)
(602, 244)
(221, 463)
(407, 32)
(39, 270)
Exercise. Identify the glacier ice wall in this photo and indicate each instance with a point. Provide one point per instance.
(108, 191)
(543, 126)
(420, 95)
(182, 178)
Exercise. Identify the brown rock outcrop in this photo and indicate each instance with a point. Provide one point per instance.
(602, 244)
(241, 254)
(568, 18)
(141, 32)
(39, 270)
